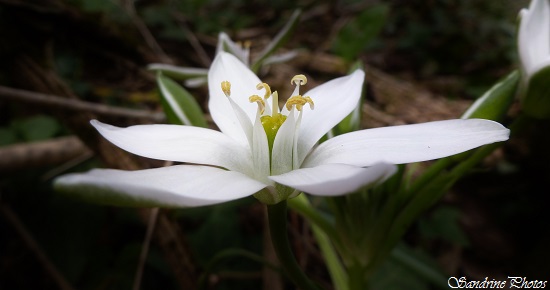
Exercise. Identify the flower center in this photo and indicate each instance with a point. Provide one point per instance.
(271, 125)
(272, 122)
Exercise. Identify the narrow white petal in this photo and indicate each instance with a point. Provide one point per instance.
(174, 186)
(534, 36)
(335, 179)
(179, 143)
(225, 43)
(242, 117)
(243, 85)
(283, 145)
(407, 143)
(333, 100)
(260, 152)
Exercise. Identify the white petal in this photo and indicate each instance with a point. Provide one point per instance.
(534, 36)
(335, 179)
(174, 186)
(243, 85)
(225, 43)
(333, 101)
(179, 143)
(283, 145)
(407, 143)
(260, 151)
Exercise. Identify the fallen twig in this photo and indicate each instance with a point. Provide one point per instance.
(29, 240)
(52, 101)
(41, 154)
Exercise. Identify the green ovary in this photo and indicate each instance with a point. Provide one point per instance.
(271, 125)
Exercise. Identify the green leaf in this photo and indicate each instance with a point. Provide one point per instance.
(179, 73)
(443, 223)
(279, 40)
(361, 31)
(180, 106)
(418, 266)
(536, 99)
(7, 136)
(38, 128)
(496, 101)
(394, 275)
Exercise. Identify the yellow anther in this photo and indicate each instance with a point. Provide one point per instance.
(226, 88)
(299, 102)
(247, 44)
(259, 100)
(310, 102)
(267, 89)
(298, 80)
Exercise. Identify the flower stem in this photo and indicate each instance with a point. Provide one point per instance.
(278, 228)
(325, 235)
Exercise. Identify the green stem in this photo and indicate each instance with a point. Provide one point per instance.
(323, 232)
(278, 228)
(357, 279)
(302, 206)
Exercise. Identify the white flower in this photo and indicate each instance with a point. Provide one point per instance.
(271, 152)
(534, 37)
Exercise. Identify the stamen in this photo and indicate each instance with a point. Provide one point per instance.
(267, 89)
(299, 102)
(274, 103)
(226, 88)
(259, 100)
(298, 80)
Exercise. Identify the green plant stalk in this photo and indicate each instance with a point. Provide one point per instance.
(357, 279)
(336, 270)
(278, 228)
(337, 273)
(301, 205)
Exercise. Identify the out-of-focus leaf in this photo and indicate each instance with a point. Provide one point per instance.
(418, 263)
(536, 98)
(393, 275)
(179, 73)
(279, 40)
(361, 31)
(180, 106)
(7, 136)
(496, 101)
(38, 128)
(443, 223)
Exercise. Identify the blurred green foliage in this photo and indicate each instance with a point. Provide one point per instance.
(361, 32)
(29, 129)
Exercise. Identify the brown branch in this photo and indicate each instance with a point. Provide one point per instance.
(151, 223)
(193, 40)
(18, 95)
(41, 154)
(31, 243)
